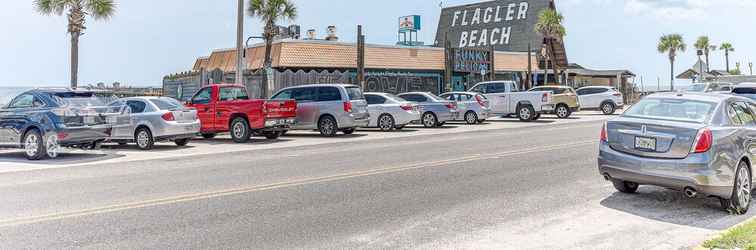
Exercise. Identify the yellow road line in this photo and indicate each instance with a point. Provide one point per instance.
(301, 182)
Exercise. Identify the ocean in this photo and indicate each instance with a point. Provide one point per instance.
(8, 93)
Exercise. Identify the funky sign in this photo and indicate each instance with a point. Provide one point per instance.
(507, 25)
(471, 60)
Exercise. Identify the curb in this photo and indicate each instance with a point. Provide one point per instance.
(723, 232)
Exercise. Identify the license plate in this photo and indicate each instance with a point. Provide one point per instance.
(647, 144)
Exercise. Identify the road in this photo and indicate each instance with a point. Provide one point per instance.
(525, 188)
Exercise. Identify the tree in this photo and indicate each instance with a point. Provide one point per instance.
(269, 12)
(550, 26)
(670, 44)
(727, 47)
(77, 10)
(703, 44)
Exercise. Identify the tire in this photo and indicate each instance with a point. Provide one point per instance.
(429, 120)
(536, 117)
(440, 124)
(526, 113)
(399, 127)
(471, 118)
(742, 189)
(608, 108)
(481, 121)
(272, 135)
(386, 122)
(240, 131)
(143, 138)
(94, 146)
(34, 146)
(181, 142)
(349, 131)
(327, 126)
(625, 186)
(209, 135)
(562, 111)
(282, 133)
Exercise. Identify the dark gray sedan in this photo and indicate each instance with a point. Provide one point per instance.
(701, 144)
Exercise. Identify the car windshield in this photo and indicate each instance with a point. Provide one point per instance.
(167, 104)
(394, 97)
(696, 88)
(671, 109)
(78, 99)
(355, 93)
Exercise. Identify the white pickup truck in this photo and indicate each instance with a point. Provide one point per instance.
(506, 100)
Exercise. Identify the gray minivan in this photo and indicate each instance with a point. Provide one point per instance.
(328, 108)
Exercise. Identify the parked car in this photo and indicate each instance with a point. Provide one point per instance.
(564, 97)
(389, 112)
(701, 144)
(747, 90)
(328, 108)
(436, 110)
(41, 121)
(506, 100)
(227, 108)
(603, 98)
(153, 119)
(472, 107)
(717, 87)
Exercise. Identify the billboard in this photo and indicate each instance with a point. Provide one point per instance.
(409, 23)
(507, 25)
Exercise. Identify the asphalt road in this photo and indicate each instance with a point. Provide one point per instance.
(525, 188)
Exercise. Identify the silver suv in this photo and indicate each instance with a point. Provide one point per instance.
(328, 108)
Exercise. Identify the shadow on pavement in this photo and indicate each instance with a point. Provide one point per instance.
(375, 130)
(673, 207)
(220, 141)
(317, 135)
(541, 121)
(156, 148)
(63, 158)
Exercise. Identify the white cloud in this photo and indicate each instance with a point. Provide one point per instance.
(685, 9)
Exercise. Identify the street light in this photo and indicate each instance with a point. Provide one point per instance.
(239, 35)
(246, 44)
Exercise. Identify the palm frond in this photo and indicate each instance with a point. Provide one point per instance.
(101, 9)
(51, 7)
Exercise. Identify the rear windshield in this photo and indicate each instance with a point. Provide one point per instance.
(355, 93)
(697, 88)
(167, 104)
(78, 99)
(671, 109)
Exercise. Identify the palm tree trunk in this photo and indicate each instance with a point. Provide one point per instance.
(707, 62)
(727, 61)
(267, 65)
(672, 73)
(552, 58)
(75, 59)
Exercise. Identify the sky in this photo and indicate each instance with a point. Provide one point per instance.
(149, 39)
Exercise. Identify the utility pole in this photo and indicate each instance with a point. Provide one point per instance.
(360, 57)
(239, 43)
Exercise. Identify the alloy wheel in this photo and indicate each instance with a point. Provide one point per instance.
(327, 127)
(429, 120)
(31, 145)
(386, 123)
(562, 111)
(744, 186)
(471, 118)
(525, 113)
(143, 139)
(607, 108)
(52, 146)
(239, 130)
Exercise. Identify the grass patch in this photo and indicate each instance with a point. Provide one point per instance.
(742, 237)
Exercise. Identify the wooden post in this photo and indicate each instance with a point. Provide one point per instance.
(448, 62)
(529, 83)
(360, 57)
(493, 64)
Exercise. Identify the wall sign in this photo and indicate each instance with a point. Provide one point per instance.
(472, 60)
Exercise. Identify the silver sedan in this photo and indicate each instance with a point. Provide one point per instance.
(151, 119)
(389, 112)
(436, 110)
(701, 144)
(473, 107)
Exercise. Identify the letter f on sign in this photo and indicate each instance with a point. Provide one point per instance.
(456, 17)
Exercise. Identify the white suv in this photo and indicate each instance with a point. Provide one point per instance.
(604, 98)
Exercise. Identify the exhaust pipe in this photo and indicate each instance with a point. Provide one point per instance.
(690, 192)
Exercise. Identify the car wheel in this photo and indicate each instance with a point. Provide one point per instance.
(526, 113)
(386, 122)
(741, 193)
(34, 146)
(563, 112)
(209, 135)
(608, 108)
(143, 139)
(327, 126)
(536, 117)
(94, 145)
(399, 127)
(440, 124)
(471, 118)
(481, 121)
(429, 120)
(625, 186)
(52, 146)
(272, 135)
(240, 131)
(349, 131)
(181, 142)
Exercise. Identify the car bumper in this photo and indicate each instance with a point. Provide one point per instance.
(358, 120)
(677, 174)
(404, 118)
(281, 124)
(547, 108)
(446, 116)
(173, 129)
(75, 136)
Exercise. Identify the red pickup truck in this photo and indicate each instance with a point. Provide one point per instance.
(227, 108)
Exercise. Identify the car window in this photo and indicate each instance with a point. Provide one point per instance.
(671, 109)
(283, 95)
(233, 94)
(434, 97)
(326, 94)
(395, 98)
(498, 87)
(375, 99)
(480, 88)
(415, 98)
(136, 106)
(725, 88)
(202, 97)
(26, 101)
(464, 97)
(354, 93)
(307, 94)
(732, 115)
(744, 114)
(167, 104)
(749, 91)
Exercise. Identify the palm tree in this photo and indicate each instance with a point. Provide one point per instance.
(703, 44)
(270, 12)
(77, 10)
(550, 26)
(727, 47)
(671, 44)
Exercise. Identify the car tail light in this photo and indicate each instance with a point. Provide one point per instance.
(604, 135)
(168, 116)
(348, 107)
(704, 139)
(62, 135)
(407, 107)
(451, 105)
(545, 97)
(481, 101)
(617, 94)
